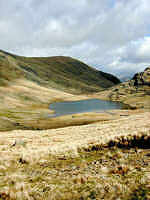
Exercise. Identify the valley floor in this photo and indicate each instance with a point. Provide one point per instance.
(81, 156)
(70, 139)
(96, 161)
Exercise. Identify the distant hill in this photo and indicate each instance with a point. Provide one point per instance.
(63, 73)
(125, 78)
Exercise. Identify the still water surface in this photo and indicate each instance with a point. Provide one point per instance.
(82, 106)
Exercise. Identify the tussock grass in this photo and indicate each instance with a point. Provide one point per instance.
(106, 173)
(97, 161)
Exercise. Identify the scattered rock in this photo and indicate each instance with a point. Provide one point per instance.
(19, 143)
(22, 161)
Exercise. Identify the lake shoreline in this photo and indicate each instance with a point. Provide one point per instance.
(34, 116)
(82, 106)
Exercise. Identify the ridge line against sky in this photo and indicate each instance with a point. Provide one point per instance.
(111, 35)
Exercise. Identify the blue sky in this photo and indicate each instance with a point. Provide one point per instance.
(111, 35)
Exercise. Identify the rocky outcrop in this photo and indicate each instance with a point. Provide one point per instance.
(135, 92)
(142, 78)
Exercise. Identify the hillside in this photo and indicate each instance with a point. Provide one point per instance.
(135, 93)
(29, 85)
(63, 73)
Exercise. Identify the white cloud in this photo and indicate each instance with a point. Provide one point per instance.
(137, 52)
(110, 35)
(143, 51)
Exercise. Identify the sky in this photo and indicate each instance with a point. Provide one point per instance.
(110, 35)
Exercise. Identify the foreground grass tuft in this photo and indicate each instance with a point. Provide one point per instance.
(141, 193)
(109, 173)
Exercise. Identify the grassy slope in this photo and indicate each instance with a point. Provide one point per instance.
(59, 72)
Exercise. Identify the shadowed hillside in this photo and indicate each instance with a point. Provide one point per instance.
(63, 73)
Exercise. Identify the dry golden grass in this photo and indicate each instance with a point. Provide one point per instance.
(23, 93)
(23, 103)
(37, 144)
(81, 162)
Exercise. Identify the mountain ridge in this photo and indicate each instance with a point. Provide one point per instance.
(60, 72)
